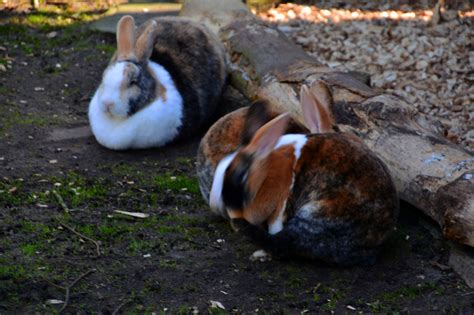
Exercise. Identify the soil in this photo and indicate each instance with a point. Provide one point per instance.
(62, 245)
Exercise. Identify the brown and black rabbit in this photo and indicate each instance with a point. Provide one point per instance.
(323, 195)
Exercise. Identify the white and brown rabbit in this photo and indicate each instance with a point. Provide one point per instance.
(163, 83)
(323, 195)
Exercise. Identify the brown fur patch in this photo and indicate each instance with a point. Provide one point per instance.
(224, 136)
(276, 177)
(129, 70)
(349, 182)
(160, 88)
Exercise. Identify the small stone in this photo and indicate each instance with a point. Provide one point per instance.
(39, 88)
(390, 76)
(261, 256)
(421, 65)
(3, 68)
(52, 34)
(470, 135)
(53, 161)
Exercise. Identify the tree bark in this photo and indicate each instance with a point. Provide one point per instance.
(430, 172)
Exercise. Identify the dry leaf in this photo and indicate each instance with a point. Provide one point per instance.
(217, 304)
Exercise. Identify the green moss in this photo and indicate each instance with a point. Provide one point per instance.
(29, 249)
(168, 263)
(48, 20)
(331, 296)
(12, 117)
(39, 229)
(13, 272)
(77, 190)
(3, 89)
(13, 194)
(9, 29)
(123, 170)
(87, 230)
(109, 231)
(177, 183)
(216, 311)
(407, 292)
(139, 246)
(108, 49)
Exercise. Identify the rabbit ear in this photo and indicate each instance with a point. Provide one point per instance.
(266, 138)
(315, 102)
(311, 117)
(145, 42)
(258, 114)
(126, 38)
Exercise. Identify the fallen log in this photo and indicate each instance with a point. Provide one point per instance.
(430, 172)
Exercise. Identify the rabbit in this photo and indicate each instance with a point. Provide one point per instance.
(323, 195)
(162, 84)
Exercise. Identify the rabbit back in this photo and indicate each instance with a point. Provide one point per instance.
(195, 60)
(342, 207)
(345, 187)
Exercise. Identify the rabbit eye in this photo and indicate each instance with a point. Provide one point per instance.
(133, 82)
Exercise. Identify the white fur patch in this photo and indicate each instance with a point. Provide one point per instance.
(297, 140)
(307, 211)
(109, 91)
(277, 225)
(215, 199)
(153, 126)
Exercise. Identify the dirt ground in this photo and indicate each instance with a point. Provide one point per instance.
(62, 244)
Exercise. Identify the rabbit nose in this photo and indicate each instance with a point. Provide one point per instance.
(108, 105)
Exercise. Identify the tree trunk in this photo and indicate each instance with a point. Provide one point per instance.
(430, 172)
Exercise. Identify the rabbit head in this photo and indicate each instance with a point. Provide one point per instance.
(127, 83)
(238, 182)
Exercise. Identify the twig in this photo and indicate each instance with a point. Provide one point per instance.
(54, 284)
(61, 201)
(69, 287)
(117, 309)
(97, 246)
